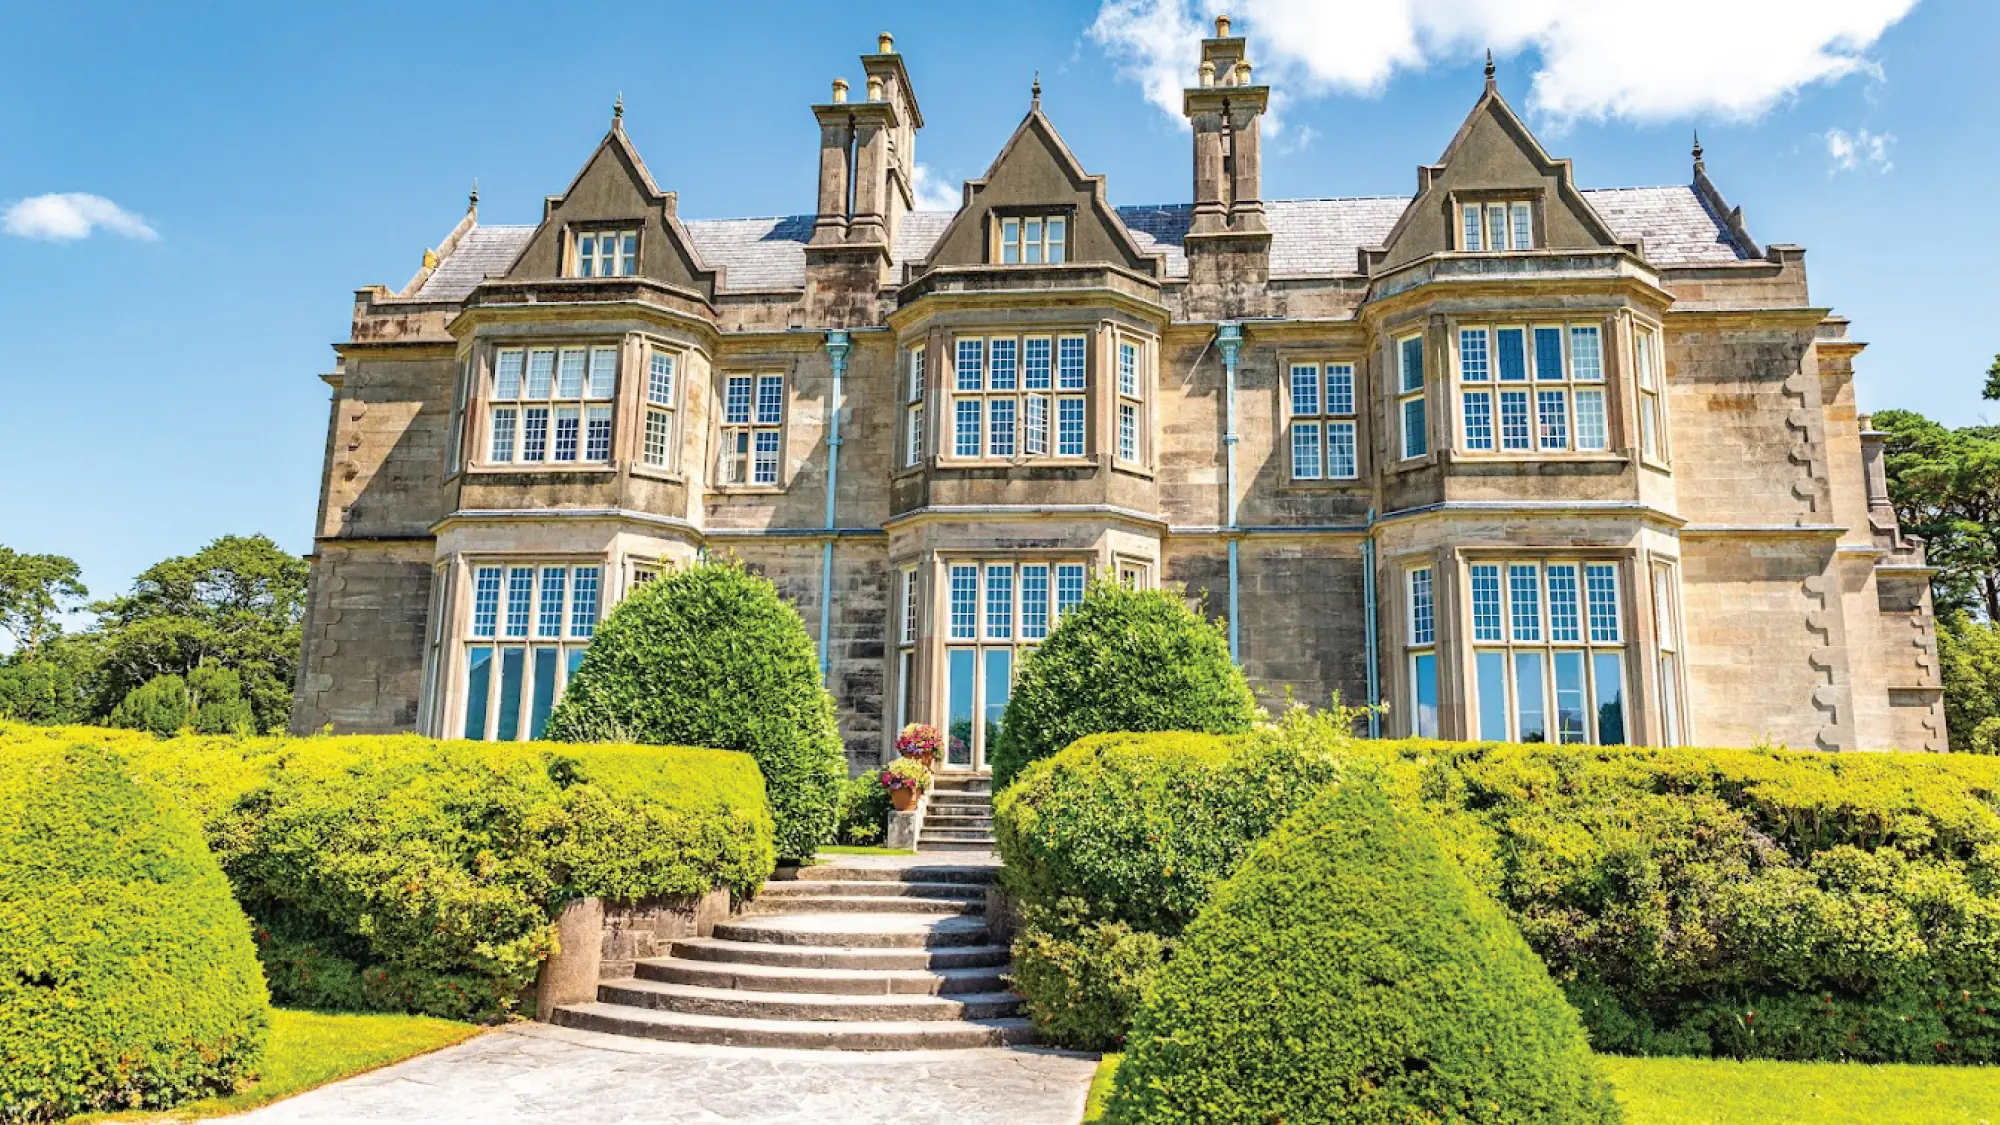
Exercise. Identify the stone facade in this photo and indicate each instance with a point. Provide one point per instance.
(1513, 458)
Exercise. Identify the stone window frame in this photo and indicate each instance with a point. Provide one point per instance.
(1008, 230)
(916, 361)
(652, 349)
(1020, 399)
(629, 233)
(1520, 225)
(489, 405)
(1131, 416)
(468, 635)
(1670, 653)
(909, 630)
(1497, 636)
(1649, 385)
(1322, 415)
(753, 430)
(1482, 383)
(1408, 394)
(1419, 591)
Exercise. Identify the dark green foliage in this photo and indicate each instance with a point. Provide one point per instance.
(1123, 660)
(1969, 663)
(1349, 972)
(1945, 486)
(1113, 845)
(158, 706)
(35, 591)
(208, 701)
(710, 655)
(864, 810)
(127, 975)
(53, 685)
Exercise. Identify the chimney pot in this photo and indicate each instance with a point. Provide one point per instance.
(885, 44)
(1222, 27)
(874, 87)
(1243, 72)
(1207, 72)
(839, 90)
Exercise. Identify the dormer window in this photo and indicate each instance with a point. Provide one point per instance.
(605, 253)
(1033, 240)
(1497, 225)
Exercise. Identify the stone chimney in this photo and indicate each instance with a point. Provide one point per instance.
(1228, 242)
(867, 173)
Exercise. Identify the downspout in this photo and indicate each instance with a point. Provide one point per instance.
(837, 345)
(1368, 626)
(1229, 334)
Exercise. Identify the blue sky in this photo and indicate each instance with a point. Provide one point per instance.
(158, 377)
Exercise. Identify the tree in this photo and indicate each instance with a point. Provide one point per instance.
(1945, 486)
(35, 591)
(56, 686)
(1969, 664)
(235, 605)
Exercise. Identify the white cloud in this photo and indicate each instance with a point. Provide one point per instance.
(1852, 152)
(66, 216)
(1639, 59)
(934, 194)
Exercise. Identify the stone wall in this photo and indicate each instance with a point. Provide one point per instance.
(367, 607)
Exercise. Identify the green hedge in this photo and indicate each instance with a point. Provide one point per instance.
(404, 874)
(1349, 972)
(127, 974)
(710, 655)
(1114, 845)
(1122, 660)
(864, 810)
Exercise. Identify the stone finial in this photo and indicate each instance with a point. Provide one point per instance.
(1490, 81)
(618, 108)
(1698, 165)
(874, 87)
(430, 259)
(1207, 72)
(1222, 27)
(839, 91)
(1035, 92)
(885, 44)
(472, 200)
(1242, 72)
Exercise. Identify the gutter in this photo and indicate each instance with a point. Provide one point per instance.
(1229, 336)
(837, 345)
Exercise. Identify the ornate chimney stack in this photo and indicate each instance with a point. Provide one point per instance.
(867, 173)
(1228, 243)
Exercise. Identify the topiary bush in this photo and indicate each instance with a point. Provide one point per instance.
(127, 974)
(710, 655)
(864, 810)
(1349, 972)
(1121, 660)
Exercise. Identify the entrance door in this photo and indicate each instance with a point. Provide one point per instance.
(978, 681)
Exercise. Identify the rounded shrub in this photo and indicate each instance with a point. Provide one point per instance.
(1349, 972)
(127, 974)
(710, 655)
(1121, 660)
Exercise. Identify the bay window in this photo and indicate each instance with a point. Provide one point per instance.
(529, 626)
(1548, 651)
(551, 405)
(753, 420)
(1321, 400)
(1532, 388)
(1008, 390)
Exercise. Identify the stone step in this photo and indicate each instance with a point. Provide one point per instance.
(811, 888)
(857, 931)
(845, 982)
(682, 1027)
(975, 874)
(834, 957)
(957, 808)
(975, 834)
(929, 845)
(735, 1003)
(860, 904)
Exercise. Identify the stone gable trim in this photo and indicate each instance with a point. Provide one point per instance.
(1539, 509)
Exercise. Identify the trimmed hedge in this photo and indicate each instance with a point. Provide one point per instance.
(710, 655)
(1121, 660)
(1114, 845)
(127, 974)
(397, 873)
(864, 810)
(1349, 972)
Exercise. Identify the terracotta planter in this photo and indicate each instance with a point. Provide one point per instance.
(903, 799)
(928, 758)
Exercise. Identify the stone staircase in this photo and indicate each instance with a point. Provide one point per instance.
(853, 955)
(958, 815)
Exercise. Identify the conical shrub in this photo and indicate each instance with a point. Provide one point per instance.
(1350, 973)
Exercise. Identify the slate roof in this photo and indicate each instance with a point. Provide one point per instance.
(1309, 238)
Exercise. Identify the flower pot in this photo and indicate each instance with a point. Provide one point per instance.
(903, 799)
(928, 758)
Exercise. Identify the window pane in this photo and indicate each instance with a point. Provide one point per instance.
(586, 254)
(658, 426)
(1549, 353)
(964, 602)
(1554, 410)
(1472, 228)
(569, 375)
(966, 434)
(1128, 431)
(1069, 427)
(765, 470)
(1057, 249)
(1340, 388)
(541, 372)
(1486, 622)
(629, 245)
(1496, 226)
(1478, 420)
(1036, 360)
(1492, 675)
(905, 669)
(1524, 226)
(1415, 441)
(971, 365)
(603, 373)
(1515, 431)
(999, 603)
(1608, 669)
(1413, 363)
(507, 373)
(999, 677)
(545, 689)
(1642, 358)
(503, 434)
(1305, 451)
(549, 618)
(1524, 591)
(770, 400)
(1565, 621)
(1670, 699)
(1530, 710)
(583, 603)
(1070, 362)
(1000, 372)
(597, 433)
(909, 629)
(1570, 718)
(1128, 369)
(1305, 389)
(1069, 587)
(1340, 451)
(568, 424)
(1603, 583)
(1031, 242)
(1663, 608)
(535, 434)
(660, 379)
(513, 670)
(478, 684)
(1423, 620)
(486, 601)
(1586, 355)
(1474, 364)
(1036, 426)
(916, 390)
(1649, 426)
(736, 401)
(1000, 432)
(1590, 430)
(1512, 345)
(916, 434)
(1010, 241)
(1424, 687)
(1034, 601)
(958, 733)
(520, 599)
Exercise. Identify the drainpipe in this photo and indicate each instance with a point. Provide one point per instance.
(837, 345)
(1229, 335)
(1368, 625)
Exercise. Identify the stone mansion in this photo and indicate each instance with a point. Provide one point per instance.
(1518, 459)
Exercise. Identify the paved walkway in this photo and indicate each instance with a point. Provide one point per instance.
(557, 1076)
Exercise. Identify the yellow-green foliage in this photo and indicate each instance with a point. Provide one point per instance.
(127, 975)
(402, 873)
(1350, 974)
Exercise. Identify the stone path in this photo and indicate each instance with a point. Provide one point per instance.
(560, 1076)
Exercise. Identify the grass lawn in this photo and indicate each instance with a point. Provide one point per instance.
(310, 1049)
(1718, 1092)
(843, 849)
